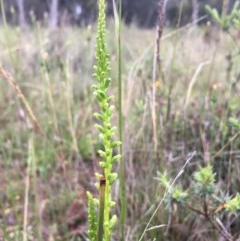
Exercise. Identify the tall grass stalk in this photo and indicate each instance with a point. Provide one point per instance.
(31, 177)
(45, 72)
(193, 81)
(106, 135)
(68, 84)
(26, 195)
(7, 34)
(118, 21)
(33, 172)
(173, 59)
(156, 70)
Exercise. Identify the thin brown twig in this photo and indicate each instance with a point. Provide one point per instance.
(157, 68)
(159, 28)
(223, 232)
(207, 215)
(195, 210)
(12, 82)
(229, 142)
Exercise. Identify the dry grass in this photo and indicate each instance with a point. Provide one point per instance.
(52, 71)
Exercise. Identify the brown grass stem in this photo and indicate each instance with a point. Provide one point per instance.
(12, 82)
(101, 209)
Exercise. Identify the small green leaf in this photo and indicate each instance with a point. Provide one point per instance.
(102, 153)
(234, 123)
(179, 195)
(99, 128)
(233, 205)
(98, 116)
(116, 158)
(92, 218)
(112, 177)
(98, 175)
(116, 144)
(204, 175)
(112, 222)
(164, 180)
(102, 164)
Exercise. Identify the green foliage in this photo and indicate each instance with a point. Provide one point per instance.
(105, 128)
(179, 195)
(233, 205)
(164, 180)
(85, 147)
(176, 194)
(203, 198)
(226, 21)
(204, 180)
(56, 161)
(200, 194)
(235, 15)
(235, 123)
(236, 19)
(92, 218)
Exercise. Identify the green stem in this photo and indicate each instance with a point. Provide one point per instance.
(107, 211)
(120, 124)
